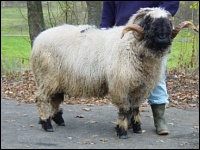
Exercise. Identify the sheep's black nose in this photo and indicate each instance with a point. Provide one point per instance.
(162, 36)
(162, 39)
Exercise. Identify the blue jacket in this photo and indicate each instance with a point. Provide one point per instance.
(117, 13)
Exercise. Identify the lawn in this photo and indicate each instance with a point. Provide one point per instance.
(15, 46)
(14, 21)
(15, 53)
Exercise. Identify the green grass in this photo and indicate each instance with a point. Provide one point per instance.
(15, 53)
(182, 50)
(14, 21)
(15, 46)
(15, 50)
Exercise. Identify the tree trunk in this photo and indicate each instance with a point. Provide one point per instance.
(94, 12)
(66, 12)
(35, 19)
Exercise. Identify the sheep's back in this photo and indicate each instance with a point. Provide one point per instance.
(65, 58)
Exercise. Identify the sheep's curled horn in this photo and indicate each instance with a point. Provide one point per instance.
(139, 34)
(185, 24)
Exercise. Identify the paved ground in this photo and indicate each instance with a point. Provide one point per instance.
(20, 129)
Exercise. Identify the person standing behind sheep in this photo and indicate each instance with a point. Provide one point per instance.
(117, 13)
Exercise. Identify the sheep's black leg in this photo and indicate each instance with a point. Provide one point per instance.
(135, 121)
(44, 113)
(46, 125)
(129, 118)
(56, 112)
(58, 119)
(136, 127)
(122, 126)
(130, 113)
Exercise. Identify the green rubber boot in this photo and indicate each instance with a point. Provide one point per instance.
(159, 120)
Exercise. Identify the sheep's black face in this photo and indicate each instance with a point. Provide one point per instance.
(157, 33)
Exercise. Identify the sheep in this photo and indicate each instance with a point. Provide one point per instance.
(84, 61)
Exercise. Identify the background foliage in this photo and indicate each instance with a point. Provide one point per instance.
(15, 41)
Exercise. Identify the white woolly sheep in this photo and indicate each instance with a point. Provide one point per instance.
(83, 61)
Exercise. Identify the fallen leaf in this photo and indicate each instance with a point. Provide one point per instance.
(79, 116)
(94, 135)
(143, 131)
(114, 122)
(170, 123)
(192, 105)
(196, 127)
(90, 105)
(185, 143)
(86, 142)
(86, 109)
(9, 120)
(144, 110)
(103, 139)
(92, 121)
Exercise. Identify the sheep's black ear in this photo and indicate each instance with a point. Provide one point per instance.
(185, 24)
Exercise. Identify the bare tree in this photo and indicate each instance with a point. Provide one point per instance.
(35, 19)
(188, 10)
(94, 12)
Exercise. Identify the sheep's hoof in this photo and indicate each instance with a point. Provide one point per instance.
(58, 119)
(46, 125)
(136, 127)
(121, 133)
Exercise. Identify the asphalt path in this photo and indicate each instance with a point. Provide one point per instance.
(92, 127)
